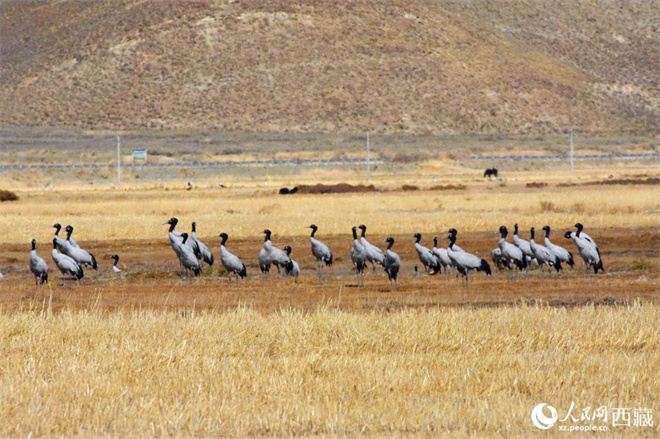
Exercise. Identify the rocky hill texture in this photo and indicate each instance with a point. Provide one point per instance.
(428, 66)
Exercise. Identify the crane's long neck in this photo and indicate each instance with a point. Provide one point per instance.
(355, 235)
(503, 234)
(515, 230)
(579, 230)
(224, 240)
(116, 258)
(435, 241)
(68, 234)
(313, 232)
(34, 245)
(452, 241)
(364, 232)
(194, 227)
(390, 244)
(531, 234)
(172, 226)
(267, 237)
(57, 229)
(547, 233)
(418, 238)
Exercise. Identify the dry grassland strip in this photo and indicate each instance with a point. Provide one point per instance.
(440, 372)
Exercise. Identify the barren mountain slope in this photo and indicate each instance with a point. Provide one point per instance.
(386, 66)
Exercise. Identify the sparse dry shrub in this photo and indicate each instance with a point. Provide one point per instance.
(448, 187)
(340, 188)
(8, 195)
(409, 187)
(536, 184)
(548, 206)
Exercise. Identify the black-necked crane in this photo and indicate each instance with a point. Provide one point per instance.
(464, 261)
(543, 255)
(374, 254)
(392, 263)
(231, 262)
(523, 245)
(187, 257)
(587, 251)
(66, 264)
(271, 255)
(359, 257)
(562, 254)
(38, 266)
(204, 254)
(62, 242)
(320, 251)
(426, 257)
(512, 254)
(583, 235)
(292, 268)
(442, 256)
(80, 255)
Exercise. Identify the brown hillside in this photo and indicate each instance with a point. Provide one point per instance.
(385, 66)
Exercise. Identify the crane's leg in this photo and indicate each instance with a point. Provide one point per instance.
(467, 279)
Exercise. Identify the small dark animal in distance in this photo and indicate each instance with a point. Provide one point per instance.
(287, 191)
(490, 172)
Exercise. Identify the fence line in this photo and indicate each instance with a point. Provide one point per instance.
(296, 162)
(565, 157)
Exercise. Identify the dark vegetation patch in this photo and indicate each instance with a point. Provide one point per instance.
(409, 187)
(448, 187)
(616, 181)
(536, 184)
(7, 195)
(340, 188)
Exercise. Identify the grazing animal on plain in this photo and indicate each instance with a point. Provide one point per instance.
(66, 264)
(466, 262)
(359, 257)
(231, 262)
(204, 253)
(38, 266)
(560, 252)
(392, 263)
(291, 269)
(511, 254)
(426, 257)
(543, 255)
(490, 172)
(374, 254)
(320, 251)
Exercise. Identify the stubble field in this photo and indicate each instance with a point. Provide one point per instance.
(148, 353)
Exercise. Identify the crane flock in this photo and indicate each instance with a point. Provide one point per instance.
(191, 252)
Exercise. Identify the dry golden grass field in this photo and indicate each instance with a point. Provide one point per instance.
(149, 354)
